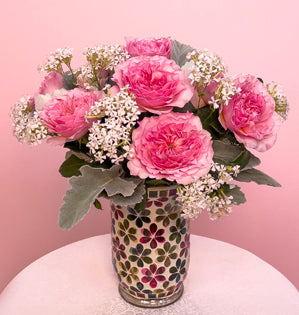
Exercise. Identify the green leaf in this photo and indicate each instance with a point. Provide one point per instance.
(179, 52)
(77, 146)
(261, 80)
(71, 166)
(97, 204)
(142, 204)
(209, 120)
(256, 176)
(236, 193)
(187, 108)
(78, 154)
(85, 190)
(225, 153)
(217, 127)
(253, 161)
(68, 81)
(246, 160)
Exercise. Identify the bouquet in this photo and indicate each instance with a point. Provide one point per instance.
(154, 112)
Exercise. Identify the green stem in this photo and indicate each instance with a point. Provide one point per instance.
(96, 76)
(209, 116)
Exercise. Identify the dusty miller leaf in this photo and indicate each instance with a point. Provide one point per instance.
(79, 155)
(257, 176)
(225, 153)
(236, 193)
(179, 52)
(132, 200)
(85, 190)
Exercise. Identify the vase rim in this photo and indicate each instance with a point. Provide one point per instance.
(158, 188)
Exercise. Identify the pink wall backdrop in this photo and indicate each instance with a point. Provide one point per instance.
(257, 37)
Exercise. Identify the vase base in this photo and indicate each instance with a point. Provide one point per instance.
(150, 303)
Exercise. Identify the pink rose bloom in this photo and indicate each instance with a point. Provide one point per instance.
(52, 82)
(251, 114)
(65, 114)
(173, 146)
(149, 46)
(158, 83)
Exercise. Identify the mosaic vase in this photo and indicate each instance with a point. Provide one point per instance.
(151, 249)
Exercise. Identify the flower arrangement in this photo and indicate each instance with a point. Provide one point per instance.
(152, 112)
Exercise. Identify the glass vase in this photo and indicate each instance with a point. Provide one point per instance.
(151, 249)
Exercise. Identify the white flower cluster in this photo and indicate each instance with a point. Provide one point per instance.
(86, 77)
(56, 59)
(281, 102)
(207, 193)
(226, 90)
(27, 125)
(105, 57)
(206, 67)
(112, 138)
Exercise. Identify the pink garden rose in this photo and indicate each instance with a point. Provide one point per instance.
(51, 86)
(149, 46)
(52, 82)
(65, 114)
(251, 115)
(173, 146)
(158, 83)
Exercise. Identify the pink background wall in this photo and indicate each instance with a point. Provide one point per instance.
(257, 37)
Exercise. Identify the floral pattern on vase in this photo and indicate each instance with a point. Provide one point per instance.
(150, 249)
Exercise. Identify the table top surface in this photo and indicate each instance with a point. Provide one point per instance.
(78, 279)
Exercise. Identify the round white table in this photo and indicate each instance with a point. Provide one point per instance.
(78, 279)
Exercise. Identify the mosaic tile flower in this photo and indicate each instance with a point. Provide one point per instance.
(113, 226)
(152, 275)
(166, 214)
(139, 216)
(127, 272)
(169, 289)
(127, 232)
(140, 292)
(116, 210)
(185, 246)
(152, 235)
(118, 249)
(127, 288)
(158, 202)
(178, 230)
(140, 255)
(166, 254)
(178, 270)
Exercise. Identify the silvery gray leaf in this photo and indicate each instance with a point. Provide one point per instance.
(179, 52)
(132, 200)
(86, 188)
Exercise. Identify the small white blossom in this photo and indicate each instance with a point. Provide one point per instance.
(56, 59)
(27, 125)
(281, 102)
(105, 57)
(226, 90)
(207, 67)
(207, 194)
(112, 138)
